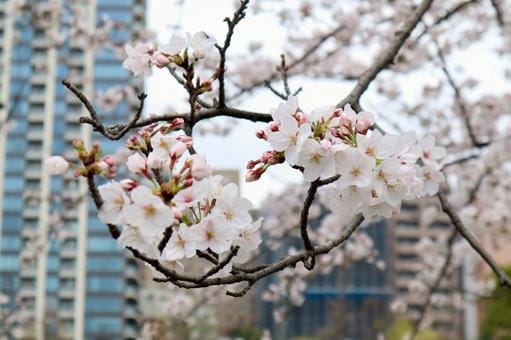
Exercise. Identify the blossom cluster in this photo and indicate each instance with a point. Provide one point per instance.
(181, 47)
(375, 171)
(177, 196)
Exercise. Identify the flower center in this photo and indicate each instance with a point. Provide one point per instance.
(210, 235)
(355, 172)
(229, 215)
(119, 202)
(150, 210)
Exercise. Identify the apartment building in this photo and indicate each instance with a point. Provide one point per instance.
(79, 284)
(407, 228)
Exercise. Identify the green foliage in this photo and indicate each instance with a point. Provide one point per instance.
(496, 323)
(246, 333)
(402, 327)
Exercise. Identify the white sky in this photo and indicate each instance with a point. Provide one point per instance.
(233, 151)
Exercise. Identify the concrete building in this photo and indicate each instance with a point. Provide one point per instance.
(81, 284)
(407, 228)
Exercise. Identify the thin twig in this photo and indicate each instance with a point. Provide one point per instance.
(458, 97)
(294, 63)
(231, 24)
(454, 10)
(114, 132)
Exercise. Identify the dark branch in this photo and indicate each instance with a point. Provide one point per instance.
(304, 216)
(498, 12)
(458, 8)
(385, 57)
(114, 132)
(504, 280)
(231, 24)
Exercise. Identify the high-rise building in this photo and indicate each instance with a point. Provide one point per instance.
(407, 229)
(80, 284)
(337, 304)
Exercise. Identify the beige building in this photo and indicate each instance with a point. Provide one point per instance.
(406, 229)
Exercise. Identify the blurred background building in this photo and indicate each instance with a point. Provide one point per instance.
(71, 280)
(336, 303)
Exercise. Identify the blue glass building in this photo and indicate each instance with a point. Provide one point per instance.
(74, 281)
(351, 302)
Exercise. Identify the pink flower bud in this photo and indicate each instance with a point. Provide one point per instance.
(252, 164)
(56, 165)
(261, 134)
(129, 184)
(178, 122)
(108, 159)
(274, 126)
(363, 125)
(161, 61)
(185, 139)
(137, 163)
(102, 166)
(254, 174)
(177, 213)
(188, 182)
(200, 169)
(133, 142)
(177, 150)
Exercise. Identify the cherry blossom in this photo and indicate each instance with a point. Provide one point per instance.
(138, 59)
(148, 212)
(56, 165)
(115, 201)
(183, 243)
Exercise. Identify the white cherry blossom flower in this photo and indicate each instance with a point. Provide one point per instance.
(200, 168)
(285, 109)
(432, 177)
(137, 163)
(132, 237)
(355, 168)
(148, 212)
(176, 44)
(214, 236)
(430, 152)
(138, 59)
(189, 197)
(114, 202)
(289, 138)
(248, 239)
(200, 43)
(231, 210)
(182, 243)
(316, 161)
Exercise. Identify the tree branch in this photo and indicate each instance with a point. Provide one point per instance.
(458, 97)
(504, 280)
(231, 24)
(385, 57)
(114, 132)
